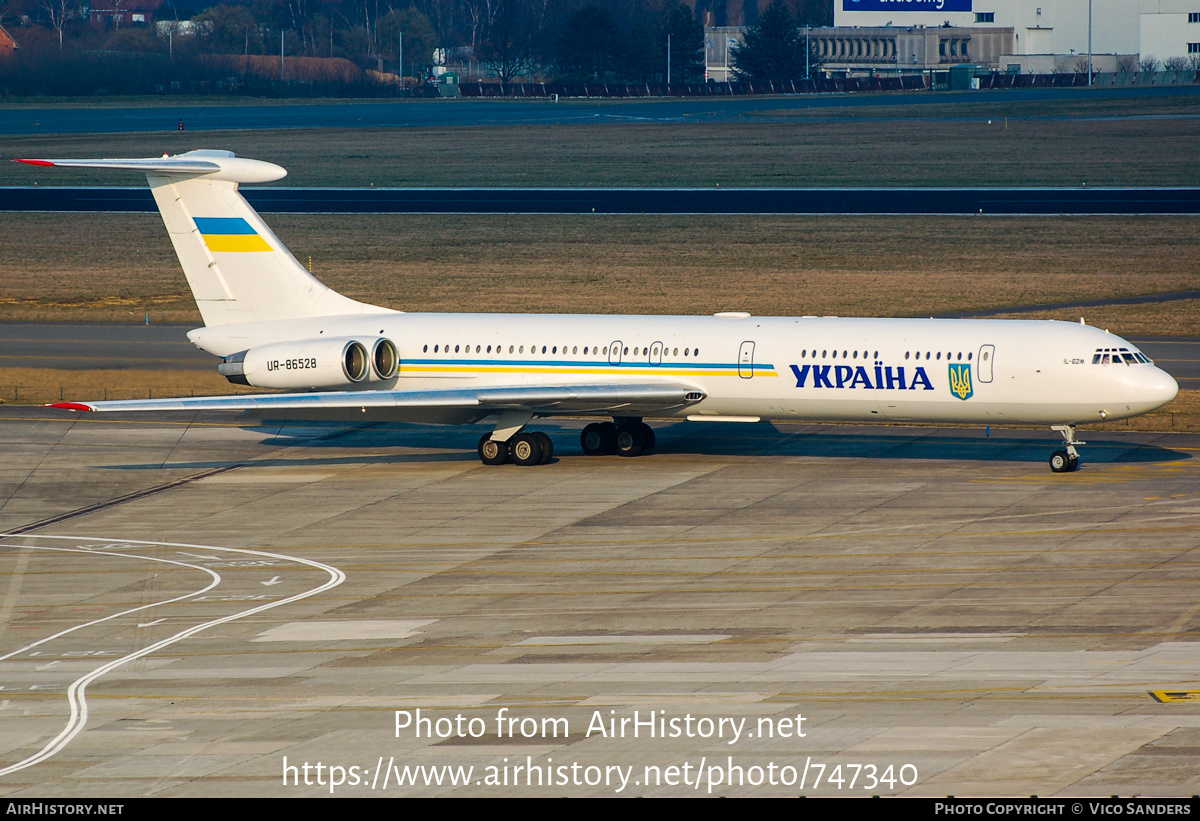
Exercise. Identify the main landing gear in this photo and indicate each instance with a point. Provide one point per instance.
(525, 448)
(624, 437)
(1066, 461)
(511, 442)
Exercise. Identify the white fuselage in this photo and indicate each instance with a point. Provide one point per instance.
(809, 368)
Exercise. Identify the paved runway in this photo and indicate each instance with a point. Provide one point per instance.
(79, 345)
(959, 201)
(165, 116)
(927, 600)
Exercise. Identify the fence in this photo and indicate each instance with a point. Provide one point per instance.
(822, 85)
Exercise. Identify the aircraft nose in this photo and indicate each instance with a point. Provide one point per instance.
(1156, 387)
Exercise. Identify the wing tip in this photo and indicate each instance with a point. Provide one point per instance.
(71, 406)
(45, 163)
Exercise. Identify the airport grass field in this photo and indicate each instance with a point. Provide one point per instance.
(95, 267)
(1144, 141)
(116, 268)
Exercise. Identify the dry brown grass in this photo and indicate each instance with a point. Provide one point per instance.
(39, 386)
(1097, 142)
(108, 267)
(1175, 318)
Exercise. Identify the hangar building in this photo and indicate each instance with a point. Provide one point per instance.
(1038, 36)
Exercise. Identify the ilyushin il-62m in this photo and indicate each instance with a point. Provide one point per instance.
(275, 326)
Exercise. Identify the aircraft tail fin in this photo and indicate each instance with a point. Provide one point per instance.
(237, 268)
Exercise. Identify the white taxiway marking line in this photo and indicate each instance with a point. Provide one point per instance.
(76, 692)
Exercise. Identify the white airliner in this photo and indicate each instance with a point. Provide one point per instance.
(276, 326)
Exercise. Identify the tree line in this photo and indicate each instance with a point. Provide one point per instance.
(248, 46)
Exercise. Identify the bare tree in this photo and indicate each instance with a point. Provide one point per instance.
(59, 12)
(507, 51)
(481, 15)
(1149, 64)
(1175, 64)
(1127, 62)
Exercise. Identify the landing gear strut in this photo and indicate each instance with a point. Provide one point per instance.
(1066, 461)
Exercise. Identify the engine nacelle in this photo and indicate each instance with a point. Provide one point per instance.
(385, 359)
(322, 364)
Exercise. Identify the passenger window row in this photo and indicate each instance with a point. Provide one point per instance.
(588, 350)
(826, 354)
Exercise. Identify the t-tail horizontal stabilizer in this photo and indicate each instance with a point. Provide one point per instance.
(238, 270)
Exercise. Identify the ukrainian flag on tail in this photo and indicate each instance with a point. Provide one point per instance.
(230, 234)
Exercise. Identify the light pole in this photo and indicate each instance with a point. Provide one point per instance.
(1089, 42)
(668, 59)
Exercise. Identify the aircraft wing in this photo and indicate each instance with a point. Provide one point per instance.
(438, 406)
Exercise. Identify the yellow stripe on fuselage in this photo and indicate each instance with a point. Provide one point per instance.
(236, 242)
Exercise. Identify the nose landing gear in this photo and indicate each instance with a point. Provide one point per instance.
(1066, 461)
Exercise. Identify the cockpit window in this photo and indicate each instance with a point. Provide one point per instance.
(1119, 356)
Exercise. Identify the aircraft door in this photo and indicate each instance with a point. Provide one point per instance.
(614, 353)
(656, 352)
(983, 369)
(746, 360)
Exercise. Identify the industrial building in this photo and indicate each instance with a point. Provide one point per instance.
(1017, 36)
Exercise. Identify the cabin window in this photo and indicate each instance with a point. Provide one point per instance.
(425, 349)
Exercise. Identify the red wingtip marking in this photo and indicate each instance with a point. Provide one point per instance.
(36, 162)
(71, 406)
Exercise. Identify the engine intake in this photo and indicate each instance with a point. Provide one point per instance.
(385, 359)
